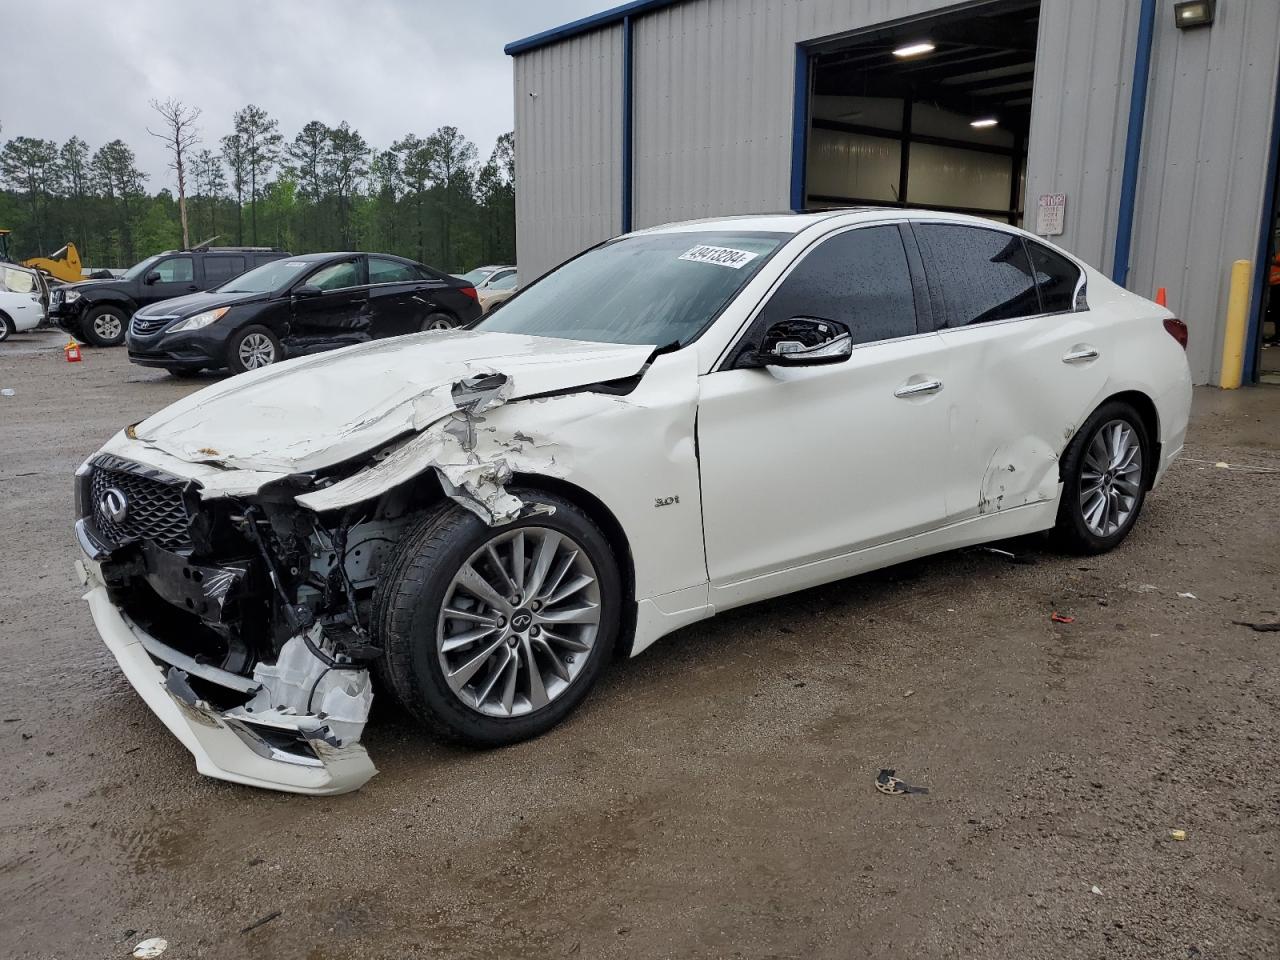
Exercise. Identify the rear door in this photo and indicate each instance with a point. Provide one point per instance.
(341, 310)
(1028, 361)
(221, 267)
(399, 297)
(177, 278)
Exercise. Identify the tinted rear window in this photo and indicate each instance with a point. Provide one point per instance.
(1057, 277)
(976, 275)
(218, 270)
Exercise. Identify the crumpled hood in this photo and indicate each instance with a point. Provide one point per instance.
(194, 303)
(316, 411)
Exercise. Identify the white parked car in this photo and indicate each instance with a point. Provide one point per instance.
(678, 422)
(22, 300)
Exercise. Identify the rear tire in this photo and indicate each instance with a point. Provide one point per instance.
(104, 326)
(1105, 474)
(438, 321)
(252, 348)
(7, 328)
(536, 654)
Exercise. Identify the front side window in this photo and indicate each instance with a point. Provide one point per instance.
(659, 289)
(336, 276)
(1057, 278)
(976, 275)
(859, 278)
(505, 282)
(382, 270)
(16, 281)
(175, 270)
(222, 269)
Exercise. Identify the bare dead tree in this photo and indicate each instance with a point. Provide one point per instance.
(179, 136)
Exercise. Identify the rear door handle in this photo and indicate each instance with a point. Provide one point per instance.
(919, 389)
(1081, 355)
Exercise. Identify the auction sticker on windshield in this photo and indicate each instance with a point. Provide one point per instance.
(721, 256)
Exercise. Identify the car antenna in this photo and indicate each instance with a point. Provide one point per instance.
(204, 246)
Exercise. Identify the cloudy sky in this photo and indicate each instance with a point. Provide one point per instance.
(388, 67)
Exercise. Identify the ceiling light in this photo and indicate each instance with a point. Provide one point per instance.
(984, 122)
(914, 49)
(1197, 13)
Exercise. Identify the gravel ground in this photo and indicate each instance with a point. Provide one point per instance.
(714, 797)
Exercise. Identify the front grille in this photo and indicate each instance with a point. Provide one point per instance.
(153, 509)
(149, 325)
(55, 296)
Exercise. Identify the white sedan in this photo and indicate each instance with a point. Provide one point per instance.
(21, 300)
(678, 422)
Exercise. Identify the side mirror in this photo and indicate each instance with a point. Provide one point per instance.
(804, 342)
(152, 277)
(307, 290)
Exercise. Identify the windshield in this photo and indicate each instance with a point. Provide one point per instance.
(268, 278)
(140, 269)
(655, 289)
(477, 275)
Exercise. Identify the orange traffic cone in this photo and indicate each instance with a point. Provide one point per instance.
(72, 350)
(1162, 297)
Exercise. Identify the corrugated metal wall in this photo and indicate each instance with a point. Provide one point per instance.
(1204, 164)
(713, 96)
(568, 110)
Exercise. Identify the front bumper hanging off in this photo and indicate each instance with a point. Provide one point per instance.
(225, 746)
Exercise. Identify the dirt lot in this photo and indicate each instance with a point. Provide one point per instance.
(714, 797)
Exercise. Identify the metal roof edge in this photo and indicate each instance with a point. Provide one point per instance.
(604, 18)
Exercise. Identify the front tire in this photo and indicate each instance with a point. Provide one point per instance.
(252, 348)
(1105, 477)
(492, 635)
(104, 326)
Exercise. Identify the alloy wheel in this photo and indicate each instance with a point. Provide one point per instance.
(107, 326)
(519, 621)
(256, 350)
(437, 323)
(1111, 478)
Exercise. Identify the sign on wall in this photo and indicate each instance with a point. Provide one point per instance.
(1051, 215)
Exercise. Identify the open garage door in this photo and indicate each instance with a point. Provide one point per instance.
(930, 112)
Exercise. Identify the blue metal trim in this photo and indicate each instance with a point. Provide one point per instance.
(1263, 267)
(628, 101)
(1133, 141)
(585, 25)
(800, 130)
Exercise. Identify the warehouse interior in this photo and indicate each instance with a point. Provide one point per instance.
(933, 111)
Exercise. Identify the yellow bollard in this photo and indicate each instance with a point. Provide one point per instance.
(1237, 326)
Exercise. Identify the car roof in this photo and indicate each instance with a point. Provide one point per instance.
(794, 223)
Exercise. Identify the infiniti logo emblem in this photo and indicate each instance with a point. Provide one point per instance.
(114, 504)
(521, 621)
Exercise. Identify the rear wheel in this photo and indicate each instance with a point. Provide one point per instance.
(494, 634)
(104, 326)
(252, 348)
(7, 328)
(1104, 476)
(438, 321)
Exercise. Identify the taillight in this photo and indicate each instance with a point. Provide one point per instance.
(1178, 330)
(471, 292)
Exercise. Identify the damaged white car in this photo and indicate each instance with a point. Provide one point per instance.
(677, 422)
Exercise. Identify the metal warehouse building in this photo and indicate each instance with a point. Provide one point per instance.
(1139, 134)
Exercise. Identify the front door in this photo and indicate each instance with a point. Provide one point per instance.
(800, 465)
(339, 312)
(176, 278)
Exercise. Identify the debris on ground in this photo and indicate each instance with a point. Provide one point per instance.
(1096, 890)
(907, 693)
(1178, 834)
(886, 782)
(1023, 559)
(1057, 617)
(1258, 627)
(1188, 596)
(8, 392)
(261, 921)
(151, 947)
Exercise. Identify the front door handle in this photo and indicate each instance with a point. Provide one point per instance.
(918, 389)
(1081, 355)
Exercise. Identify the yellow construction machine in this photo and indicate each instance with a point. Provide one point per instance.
(62, 265)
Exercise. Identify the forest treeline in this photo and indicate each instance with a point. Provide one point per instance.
(326, 188)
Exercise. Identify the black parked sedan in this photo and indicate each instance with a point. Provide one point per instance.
(295, 306)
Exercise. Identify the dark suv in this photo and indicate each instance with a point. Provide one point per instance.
(98, 311)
